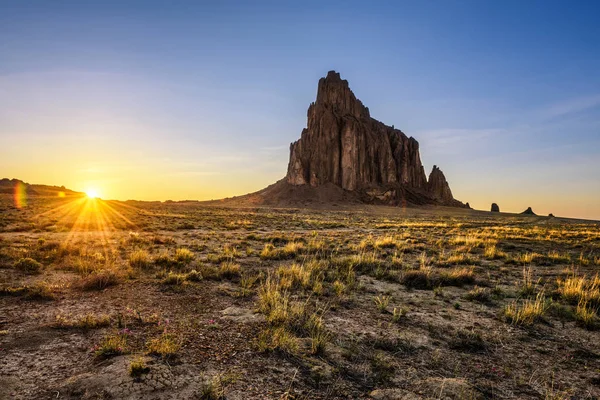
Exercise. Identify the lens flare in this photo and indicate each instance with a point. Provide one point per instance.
(20, 195)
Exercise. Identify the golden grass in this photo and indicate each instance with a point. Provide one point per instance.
(140, 259)
(166, 345)
(527, 312)
(580, 288)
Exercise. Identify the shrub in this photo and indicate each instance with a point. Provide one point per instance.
(101, 279)
(28, 266)
(229, 270)
(163, 259)
(40, 291)
(528, 312)
(174, 278)
(457, 277)
(139, 259)
(184, 256)
(165, 346)
(479, 294)
(111, 345)
(586, 316)
(399, 314)
(417, 279)
(382, 303)
(277, 339)
(138, 367)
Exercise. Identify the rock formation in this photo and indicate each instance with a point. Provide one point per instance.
(529, 211)
(495, 207)
(344, 146)
(438, 186)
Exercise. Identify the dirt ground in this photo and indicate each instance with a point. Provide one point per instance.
(134, 300)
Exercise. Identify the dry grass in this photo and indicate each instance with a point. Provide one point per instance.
(527, 312)
(166, 345)
(140, 259)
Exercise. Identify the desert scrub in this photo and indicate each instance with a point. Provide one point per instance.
(557, 258)
(166, 345)
(229, 270)
(575, 289)
(527, 312)
(386, 242)
(319, 336)
(40, 291)
(28, 266)
(398, 314)
(174, 278)
(246, 284)
(479, 294)
(138, 367)
(277, 339)
(586, 315)
(491, 252)
(417, 279)
(290, 250)
(164, 259)
(184, 256)
(382, 302)
(294, 276)
(457, 277)
(100, 279)
(528, 285)
(456, 259)
(111, 345)
(140, 259)
(338, 288)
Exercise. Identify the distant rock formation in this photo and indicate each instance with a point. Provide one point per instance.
(8, 186)
(495, 207)
(529, 211)
(551, 215)
(344, 146)
(467, 205)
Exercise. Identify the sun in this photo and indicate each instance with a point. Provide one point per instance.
(91, 193)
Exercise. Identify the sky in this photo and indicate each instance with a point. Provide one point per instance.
(157, 100)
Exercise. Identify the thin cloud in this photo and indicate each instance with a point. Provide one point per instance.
(570, 106)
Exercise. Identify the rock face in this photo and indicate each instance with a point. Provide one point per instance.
(438, 186)
(343, 145)
(495, 207)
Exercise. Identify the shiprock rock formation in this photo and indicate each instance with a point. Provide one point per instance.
(342, 145)
(529, 211)
(345, 156)
(495, 207)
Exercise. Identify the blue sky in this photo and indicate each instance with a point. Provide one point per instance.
(201, 100)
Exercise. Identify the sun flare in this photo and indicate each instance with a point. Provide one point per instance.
(91, 193)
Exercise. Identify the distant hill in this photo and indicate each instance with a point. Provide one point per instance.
(7, 186)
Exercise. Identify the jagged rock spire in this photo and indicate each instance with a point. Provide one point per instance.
(343, 145)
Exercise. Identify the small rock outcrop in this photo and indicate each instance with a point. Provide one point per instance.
(529, 211)
(467, 205)
(438, 186)
(495, 207)
(344, 146)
